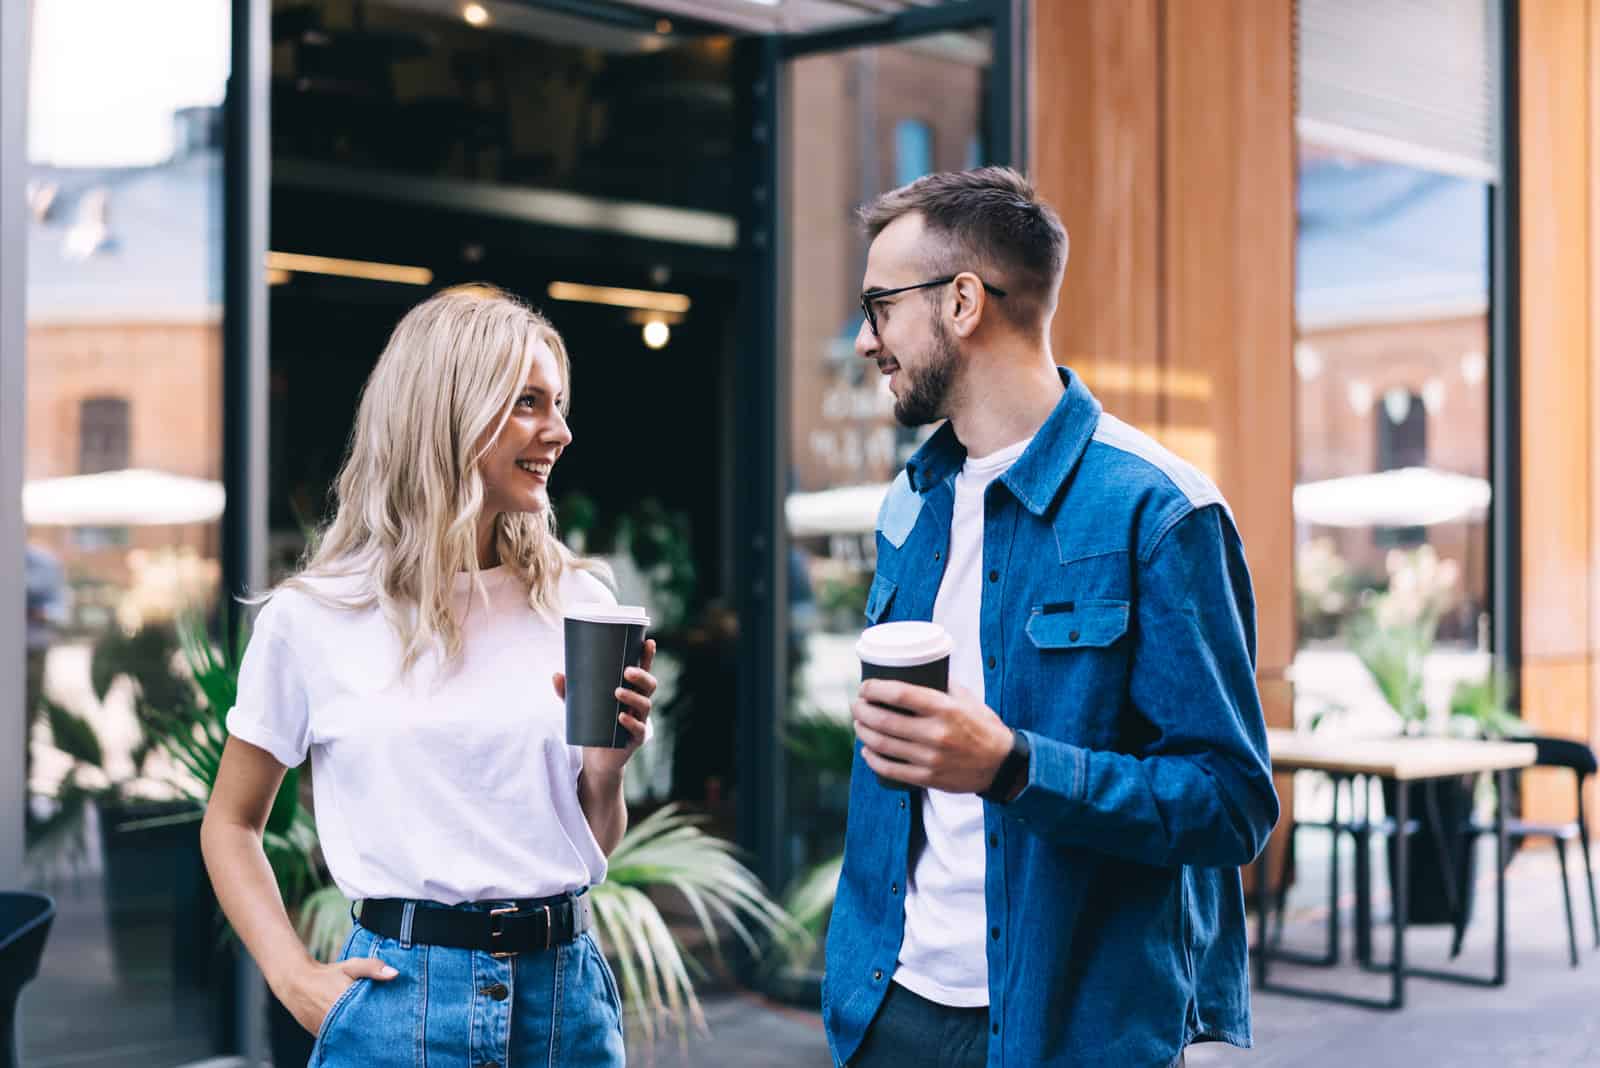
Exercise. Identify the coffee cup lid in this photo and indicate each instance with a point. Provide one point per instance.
(601, 612)
(904, 644)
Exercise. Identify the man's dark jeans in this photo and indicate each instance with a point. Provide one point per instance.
(910, 1029)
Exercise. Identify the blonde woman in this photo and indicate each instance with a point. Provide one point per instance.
(417, 660)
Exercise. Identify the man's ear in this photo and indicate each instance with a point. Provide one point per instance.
(970, 304)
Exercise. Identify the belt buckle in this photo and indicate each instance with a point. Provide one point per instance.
(495, 931)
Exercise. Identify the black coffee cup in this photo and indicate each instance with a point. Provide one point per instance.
(914, 652)
(602, 641)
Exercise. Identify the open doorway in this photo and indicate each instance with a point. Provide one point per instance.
(583, 164)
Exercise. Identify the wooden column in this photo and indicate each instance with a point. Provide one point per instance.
(1560, 527)
(1163, 131)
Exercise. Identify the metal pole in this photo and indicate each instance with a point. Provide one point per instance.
(13, 415)
(247, 162)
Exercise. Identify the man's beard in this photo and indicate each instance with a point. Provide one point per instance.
(928, 387)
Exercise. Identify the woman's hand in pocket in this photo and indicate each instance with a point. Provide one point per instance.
(312, 994)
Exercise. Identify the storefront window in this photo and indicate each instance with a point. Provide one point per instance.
(1392, 498)
(121, 501)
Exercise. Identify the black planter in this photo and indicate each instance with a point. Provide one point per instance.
(291, 1044)
(1442, 864)
(159, 905)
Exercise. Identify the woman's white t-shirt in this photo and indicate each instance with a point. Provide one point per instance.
(454, 783)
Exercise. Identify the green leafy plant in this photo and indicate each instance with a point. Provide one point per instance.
(1393, 635)
(1484, 706)
(1394, 654)
(670, 848)
(827, 744)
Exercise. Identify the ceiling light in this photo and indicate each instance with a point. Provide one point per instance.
(475, 14)
(648, 299)
(657, 334)
(377, 272)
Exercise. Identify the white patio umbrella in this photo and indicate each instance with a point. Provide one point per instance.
(132, 497)
(1405, 497)
(845, 510)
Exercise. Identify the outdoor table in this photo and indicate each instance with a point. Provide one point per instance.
(1400, 760)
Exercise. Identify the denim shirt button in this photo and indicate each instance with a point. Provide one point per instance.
(1072, 637)
(877, 975)
(991, 663)
(994, 839)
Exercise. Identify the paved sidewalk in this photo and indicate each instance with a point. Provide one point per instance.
(1545, 1016)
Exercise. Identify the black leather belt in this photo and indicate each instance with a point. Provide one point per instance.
(511, 927)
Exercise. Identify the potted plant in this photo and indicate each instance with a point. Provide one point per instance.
(1393, 635)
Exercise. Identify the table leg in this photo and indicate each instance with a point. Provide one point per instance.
(1363, 844)
(1500, 848)
(1263, 913)
(1333, 873)
(1402, 879)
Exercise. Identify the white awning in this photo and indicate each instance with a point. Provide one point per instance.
(1406, 497)
(126, 498)
(845, 510)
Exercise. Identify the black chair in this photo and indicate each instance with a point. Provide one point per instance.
(24, 924)
(1580, 760)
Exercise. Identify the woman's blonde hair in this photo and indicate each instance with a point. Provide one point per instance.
(409, 496)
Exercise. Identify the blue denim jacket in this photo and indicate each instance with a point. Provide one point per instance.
(1120, 638)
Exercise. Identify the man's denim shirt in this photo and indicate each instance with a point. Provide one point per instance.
(1118, 633)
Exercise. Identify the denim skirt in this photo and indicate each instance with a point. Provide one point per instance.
(464, 1008)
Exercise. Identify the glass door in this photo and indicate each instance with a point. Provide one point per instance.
(836, 118)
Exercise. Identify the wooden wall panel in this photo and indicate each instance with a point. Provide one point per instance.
(1163, 131)
(1093, 132)
(1560, 527)
(1228, 302)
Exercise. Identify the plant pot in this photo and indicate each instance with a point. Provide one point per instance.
(290, 1043)
(159, 905)
(1442, 861)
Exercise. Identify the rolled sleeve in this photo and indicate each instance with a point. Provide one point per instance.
(271, 710)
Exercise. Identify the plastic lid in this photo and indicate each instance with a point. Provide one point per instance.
(904, 644)
(600, 612)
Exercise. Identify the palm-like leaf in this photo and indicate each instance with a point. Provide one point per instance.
(810, 902)
(325, 922)
(670, 848)
(73, 735)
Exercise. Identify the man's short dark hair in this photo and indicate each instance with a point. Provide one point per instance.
(991, 222)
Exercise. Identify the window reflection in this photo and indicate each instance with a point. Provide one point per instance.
(1392, 294)
(121, 499)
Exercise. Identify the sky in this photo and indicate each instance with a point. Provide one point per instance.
(107, 75)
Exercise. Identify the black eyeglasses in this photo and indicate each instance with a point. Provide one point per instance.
(871, 296)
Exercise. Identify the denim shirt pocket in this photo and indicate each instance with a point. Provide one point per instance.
(879, 598)
(1088, 624)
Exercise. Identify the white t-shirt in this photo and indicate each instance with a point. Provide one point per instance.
(448, 786)
(943, 956)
